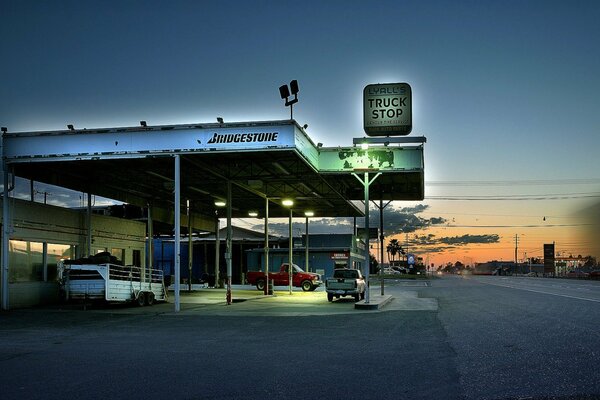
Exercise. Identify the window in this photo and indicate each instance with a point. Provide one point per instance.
(119, 253)
(26, 260)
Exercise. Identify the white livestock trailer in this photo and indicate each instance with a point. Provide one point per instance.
(112, 283)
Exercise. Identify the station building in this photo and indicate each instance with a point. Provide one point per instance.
(185, 177)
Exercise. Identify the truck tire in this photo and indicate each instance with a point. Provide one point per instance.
(141, 299)
(260, 284)
(306, 285)
(330, 296)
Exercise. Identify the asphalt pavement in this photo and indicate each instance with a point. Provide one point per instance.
(456, 338)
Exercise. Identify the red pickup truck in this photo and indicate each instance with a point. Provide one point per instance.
(308, 281)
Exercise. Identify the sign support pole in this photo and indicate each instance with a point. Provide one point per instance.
(366, 183)
(381, 238)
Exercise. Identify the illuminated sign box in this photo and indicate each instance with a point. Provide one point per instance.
(387, 109)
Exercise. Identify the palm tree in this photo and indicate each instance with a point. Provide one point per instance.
(393, 248)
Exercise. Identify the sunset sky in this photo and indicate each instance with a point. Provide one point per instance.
(506, 93)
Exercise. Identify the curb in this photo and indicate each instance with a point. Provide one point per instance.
(375, 303)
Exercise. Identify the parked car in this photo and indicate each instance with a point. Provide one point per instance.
(308, 281)
(390, 271)
(595, 274)
(577, 274)
(345, 282)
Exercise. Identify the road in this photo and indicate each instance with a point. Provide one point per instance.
(459, 338)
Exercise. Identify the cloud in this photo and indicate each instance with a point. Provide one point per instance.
(405, 219)
(470, 239)
(395, 221)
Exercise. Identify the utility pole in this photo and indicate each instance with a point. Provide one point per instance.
(516, 249)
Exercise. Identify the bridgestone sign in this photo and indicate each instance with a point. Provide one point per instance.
(387, 109)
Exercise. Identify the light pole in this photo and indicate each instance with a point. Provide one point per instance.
(307, 214)
(289, 203)
(284, 92)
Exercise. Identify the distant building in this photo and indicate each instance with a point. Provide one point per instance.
(326, 252)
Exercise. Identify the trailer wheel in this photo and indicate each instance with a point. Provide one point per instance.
(141, 299)
(149, 298)
(260, 284)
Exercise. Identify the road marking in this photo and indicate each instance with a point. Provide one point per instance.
(540, 291)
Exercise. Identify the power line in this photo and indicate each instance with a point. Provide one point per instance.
(536, 182)
(516, 226)
(522, 197)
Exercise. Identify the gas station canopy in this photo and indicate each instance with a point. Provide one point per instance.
(272, 160)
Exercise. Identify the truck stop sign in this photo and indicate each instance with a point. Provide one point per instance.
(387, 109)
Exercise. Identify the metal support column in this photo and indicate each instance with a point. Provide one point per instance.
(229, 247)
(306, 247)
(150, 246)
(217, 250)
(290, 262)
(177, 233)
(190, 245)
(89, 225)
(267, 246)
(5, 238)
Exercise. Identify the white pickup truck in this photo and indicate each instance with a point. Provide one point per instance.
(345, 282)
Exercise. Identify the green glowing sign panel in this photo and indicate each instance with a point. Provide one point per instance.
(387, 159)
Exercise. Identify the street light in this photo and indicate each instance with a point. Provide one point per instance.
(307, 213)
(289, 203)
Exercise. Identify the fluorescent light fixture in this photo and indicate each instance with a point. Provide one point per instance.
(287, 202)
(220, 203)
(157, 175)
(253, 214)
(195, 189)
(280, 168)
(309, 213)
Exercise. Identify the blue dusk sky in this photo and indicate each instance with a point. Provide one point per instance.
(506, 92)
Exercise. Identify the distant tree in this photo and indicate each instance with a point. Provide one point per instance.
(589, 261)
(393, 248)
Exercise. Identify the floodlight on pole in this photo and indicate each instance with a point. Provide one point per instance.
(285, 94)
